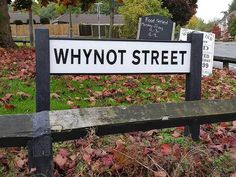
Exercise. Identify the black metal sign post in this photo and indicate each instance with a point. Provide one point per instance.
(193, 79)
(40, 147)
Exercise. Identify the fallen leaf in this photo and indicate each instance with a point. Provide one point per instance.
(63, 152)
(232, 153)
(71, 88)
(20, 162)
(54, 96)
(233, 175)
(234, 123)
(219, 148)
(224, 124)
(70, 103)
(176, 134)
(160, 174)
(129, 99)
(6, 98)
(23, 95)
(166, 149)
(60, 161)
(87, 158)
(9, 106)
(107, 160)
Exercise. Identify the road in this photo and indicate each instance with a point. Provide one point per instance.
(228, 50)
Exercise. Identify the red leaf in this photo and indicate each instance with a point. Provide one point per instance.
(166, 149)
(107, 160)
(223, 124)
(176, 134)
(87, 158)
(180, 128)
(9, 106)
(60, 161)
(63, 152)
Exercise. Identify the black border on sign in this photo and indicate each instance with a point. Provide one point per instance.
(122, 40)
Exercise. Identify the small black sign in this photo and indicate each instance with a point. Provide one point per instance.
(155, 27)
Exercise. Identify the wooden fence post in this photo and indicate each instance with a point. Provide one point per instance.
(193, 79)
(40, 147)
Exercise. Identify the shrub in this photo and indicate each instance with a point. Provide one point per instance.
(44, 20)
(18, 22)
(27, 22)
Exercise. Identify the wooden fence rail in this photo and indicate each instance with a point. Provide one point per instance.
(17, 130)
(36, 130)
(226, 60)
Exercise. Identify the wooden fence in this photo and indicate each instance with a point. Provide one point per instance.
(36, 130)
(62, 30)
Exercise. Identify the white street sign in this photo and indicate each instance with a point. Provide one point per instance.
(208, 49)
(117, 57)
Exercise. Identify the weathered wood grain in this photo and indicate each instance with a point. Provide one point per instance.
(16, 130)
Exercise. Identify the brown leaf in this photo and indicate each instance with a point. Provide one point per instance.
(20, 162)
(70, 103)
(129, 99)
(92, 99)
(71, 88)
(54, 96)
(219, 147)
(233, 175)
(23, 95)
(160, 174)
(6, 98)
(232, 153)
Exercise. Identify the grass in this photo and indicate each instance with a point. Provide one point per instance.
(67, 92)
(103, 91)
(85, 93)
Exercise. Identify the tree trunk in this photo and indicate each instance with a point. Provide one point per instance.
(6, 40)
(112, 9)
(31, 28)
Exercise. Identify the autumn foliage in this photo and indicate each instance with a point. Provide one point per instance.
(181, 10)
(156, 153)
(26, 4)
(217, 31)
